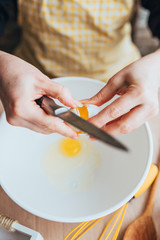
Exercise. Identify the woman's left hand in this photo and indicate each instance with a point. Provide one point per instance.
(137, 86)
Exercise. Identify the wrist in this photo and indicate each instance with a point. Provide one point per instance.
(2, 62)
(2, 55)
(3, 66)
(155, 63)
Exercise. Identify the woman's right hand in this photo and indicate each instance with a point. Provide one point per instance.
(20, 85)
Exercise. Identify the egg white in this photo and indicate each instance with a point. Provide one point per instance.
(72, 174)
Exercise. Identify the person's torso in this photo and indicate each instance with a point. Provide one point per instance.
(77, 37)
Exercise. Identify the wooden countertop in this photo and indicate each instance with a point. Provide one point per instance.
(57, 231)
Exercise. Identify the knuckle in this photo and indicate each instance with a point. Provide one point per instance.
(112, 83)
(11, 120)
(100, 122)
(44, 78)
(142, 93)
(19, 111)
(50, 126)
(125, 128)
(45, 126)
(44, 131)
(98, 98)
(40, 81)
(47, 132)
(113, 112)
(99, 95)
(63, 89)
(154, 110)
(139, 91)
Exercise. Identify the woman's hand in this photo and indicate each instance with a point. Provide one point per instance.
(137, 86)
(20, 85)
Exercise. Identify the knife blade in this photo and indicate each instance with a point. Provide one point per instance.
(51, 108)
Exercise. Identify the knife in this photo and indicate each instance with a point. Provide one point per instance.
(51, 108)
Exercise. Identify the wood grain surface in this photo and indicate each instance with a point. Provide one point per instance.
(57, 231)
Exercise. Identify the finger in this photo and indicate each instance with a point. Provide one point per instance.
(61, 93)
(19, 122)
(130, 121)
(117, 108)
(122, 91)
(107, 92)
(51, 124)
(54, 125)
(40, 121)
(41, 127)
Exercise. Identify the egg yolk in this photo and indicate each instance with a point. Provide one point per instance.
(83, 112)
(70, 147)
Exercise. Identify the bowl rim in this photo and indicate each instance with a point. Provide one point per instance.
(102, 213)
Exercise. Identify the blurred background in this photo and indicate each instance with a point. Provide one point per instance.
(141, 34)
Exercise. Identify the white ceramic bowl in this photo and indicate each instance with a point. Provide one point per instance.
(116, 181)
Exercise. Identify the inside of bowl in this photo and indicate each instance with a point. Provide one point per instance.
(116, 180)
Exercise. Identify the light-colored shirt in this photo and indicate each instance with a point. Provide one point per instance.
(88, 38)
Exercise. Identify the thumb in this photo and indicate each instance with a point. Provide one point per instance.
(60, 92)
(107, 92)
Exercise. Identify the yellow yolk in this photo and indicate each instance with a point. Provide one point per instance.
(83, 112)
(70, 147)
(71, 173)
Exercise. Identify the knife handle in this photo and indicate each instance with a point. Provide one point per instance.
(50, 107)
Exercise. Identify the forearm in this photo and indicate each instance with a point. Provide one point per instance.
(3, 64)
(2, 54)
(8, 72)
(154, 63)
(158, 63)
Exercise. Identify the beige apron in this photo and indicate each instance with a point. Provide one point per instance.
(88, 38)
